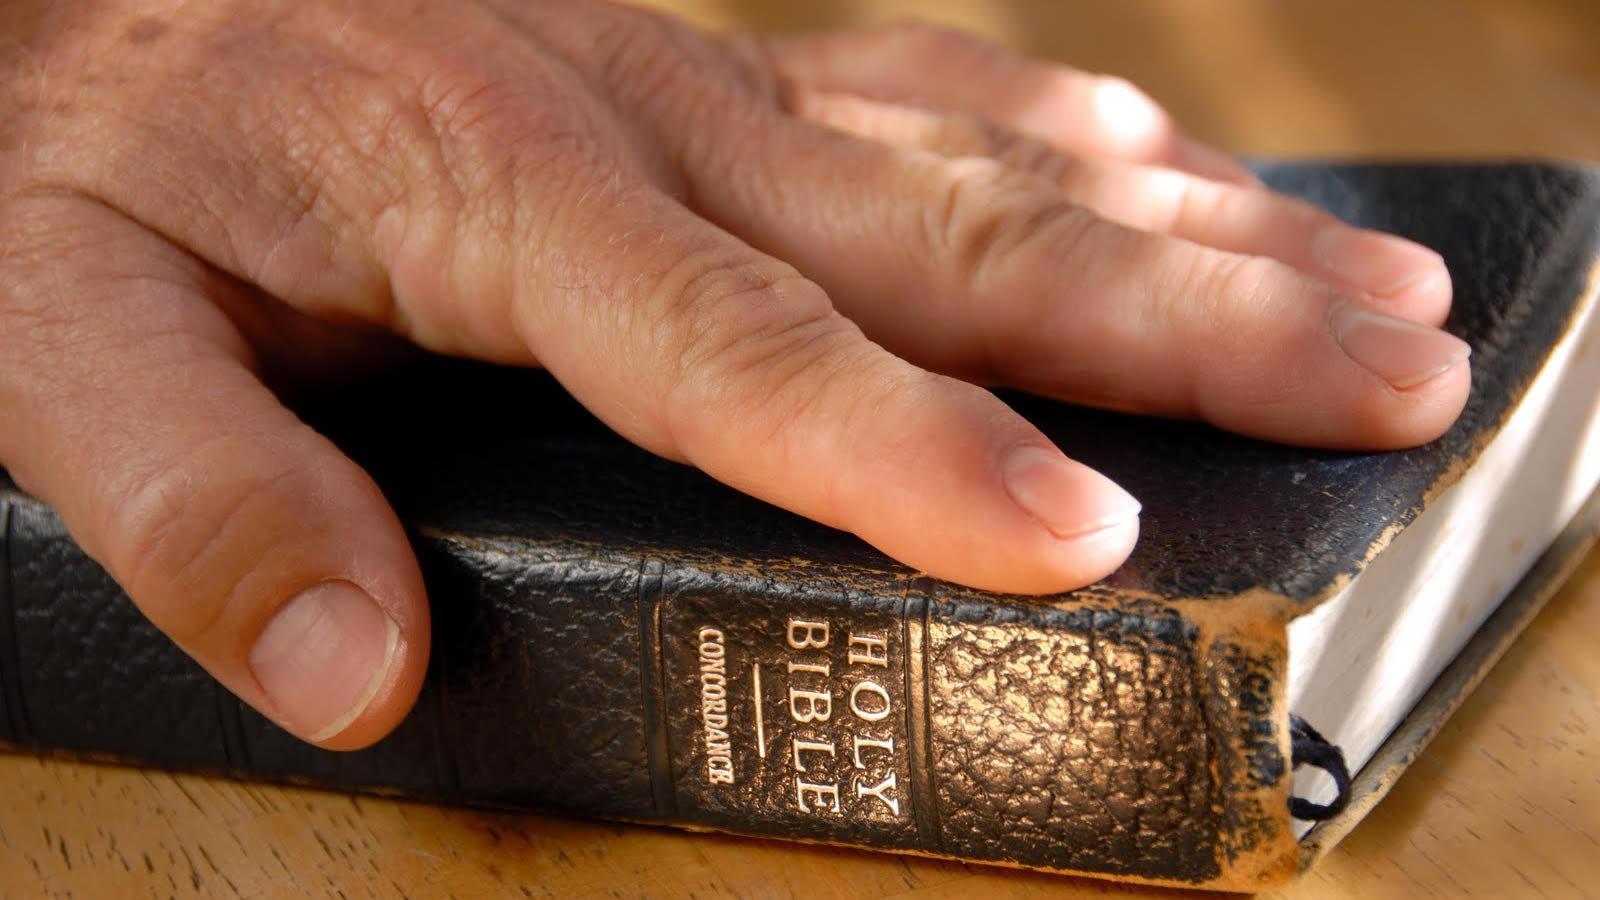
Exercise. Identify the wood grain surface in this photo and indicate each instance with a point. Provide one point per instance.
(1506, 803)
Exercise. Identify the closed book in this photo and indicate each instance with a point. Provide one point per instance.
(619, 636)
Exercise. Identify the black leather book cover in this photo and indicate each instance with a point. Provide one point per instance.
(619, 636)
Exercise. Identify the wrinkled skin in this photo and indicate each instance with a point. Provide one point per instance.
(788, 262)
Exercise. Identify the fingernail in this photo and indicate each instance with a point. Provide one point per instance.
(1399, 351)
(322, 658)
(1380, 263)
(1069, 498)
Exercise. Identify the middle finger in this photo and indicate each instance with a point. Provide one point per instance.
(988, 272)
(1401, 277)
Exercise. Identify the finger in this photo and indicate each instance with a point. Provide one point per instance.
(970, 267)
(505, 215)
(263, 552)
(712, 353)
(1404, 279)
(1082, 113)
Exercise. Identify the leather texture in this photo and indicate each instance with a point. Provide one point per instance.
(602, 616)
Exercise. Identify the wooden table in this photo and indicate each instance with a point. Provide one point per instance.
(1506, 803)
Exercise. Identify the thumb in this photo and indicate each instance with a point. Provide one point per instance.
(266, 554)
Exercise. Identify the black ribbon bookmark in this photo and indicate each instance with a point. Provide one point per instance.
(1308, 747)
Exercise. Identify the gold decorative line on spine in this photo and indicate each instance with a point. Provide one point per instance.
(761, 726)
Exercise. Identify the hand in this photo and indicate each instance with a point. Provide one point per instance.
(785, 262)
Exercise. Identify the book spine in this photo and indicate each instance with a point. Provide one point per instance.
(900, 714)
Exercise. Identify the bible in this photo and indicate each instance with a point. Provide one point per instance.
(618, 636)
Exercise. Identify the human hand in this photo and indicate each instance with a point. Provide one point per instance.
(785, 262)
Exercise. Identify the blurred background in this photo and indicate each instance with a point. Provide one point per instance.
(1291, 77)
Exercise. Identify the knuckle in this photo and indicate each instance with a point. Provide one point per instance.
(503, 127)
(1237, 291)
(757, 341)
(753, 58)
(509, 160)
(681, 88)
(50, 249)
(1033, 156)
(510, 147)
(1177, 200)
(720, 303)
(1226, 304)
(349, 144)
(1246, 356)
(52, 254)
(457, 148)
(182, 541)
(989, 217)
(773, 392)
(967, 134)
(643, 59)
